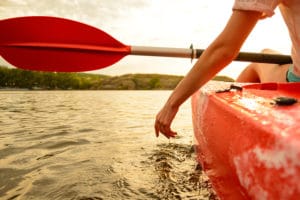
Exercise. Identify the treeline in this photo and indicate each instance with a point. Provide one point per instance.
(24, 79)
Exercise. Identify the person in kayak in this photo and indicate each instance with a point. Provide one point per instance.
(226, 46)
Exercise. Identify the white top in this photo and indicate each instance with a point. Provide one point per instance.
(290, 11)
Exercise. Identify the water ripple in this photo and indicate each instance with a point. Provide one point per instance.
(94, 145)
(175, 181)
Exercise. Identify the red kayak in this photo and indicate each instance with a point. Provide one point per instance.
(248, 139)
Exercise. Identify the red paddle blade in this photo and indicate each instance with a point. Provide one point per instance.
(57, 44)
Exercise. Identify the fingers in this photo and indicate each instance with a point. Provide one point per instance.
(164, 120)
(156, 126)
(164, 129)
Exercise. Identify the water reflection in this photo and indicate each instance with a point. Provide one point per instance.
(94, 145)
(179, 177)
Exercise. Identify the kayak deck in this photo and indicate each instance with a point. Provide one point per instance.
(247, 141)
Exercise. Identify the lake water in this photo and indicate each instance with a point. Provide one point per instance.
(94, 145)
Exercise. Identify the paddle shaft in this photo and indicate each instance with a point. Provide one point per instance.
(196, 53)
(155, 51)
(56, 44)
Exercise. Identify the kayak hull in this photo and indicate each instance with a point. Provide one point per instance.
(248, 143)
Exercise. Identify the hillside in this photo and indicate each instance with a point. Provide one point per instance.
(24, 79)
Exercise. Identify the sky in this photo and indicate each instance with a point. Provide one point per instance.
(158, 23)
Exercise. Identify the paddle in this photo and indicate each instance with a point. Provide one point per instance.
(56, 44)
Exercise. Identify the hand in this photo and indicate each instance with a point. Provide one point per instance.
(164, 120)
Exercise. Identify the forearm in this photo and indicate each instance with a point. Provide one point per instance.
(213, 59)
(219, 54)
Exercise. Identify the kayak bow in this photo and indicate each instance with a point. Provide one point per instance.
(248, 139)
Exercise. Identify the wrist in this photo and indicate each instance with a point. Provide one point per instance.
(173, 103)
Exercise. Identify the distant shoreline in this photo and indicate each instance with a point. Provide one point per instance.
(17, 79)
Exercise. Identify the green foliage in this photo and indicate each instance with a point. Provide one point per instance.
(17, 78)
(223, 78)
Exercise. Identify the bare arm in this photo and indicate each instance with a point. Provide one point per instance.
(219, 54)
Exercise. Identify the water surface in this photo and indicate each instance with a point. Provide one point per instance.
(94, 145)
